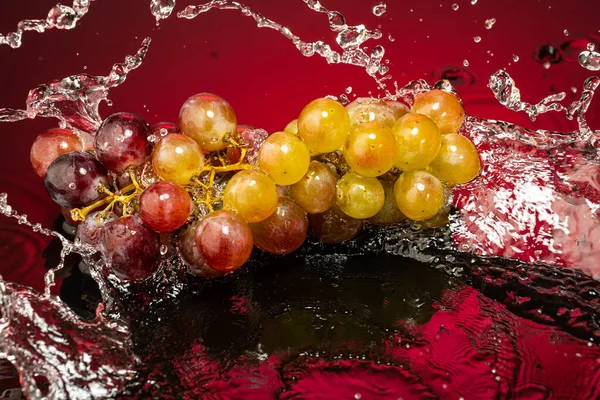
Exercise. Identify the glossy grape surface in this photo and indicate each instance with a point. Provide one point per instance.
(177, 158)
(419, 195)
(333, 226)
(224, 240)
(358, 196)
(442, 107)
(161, 129)
(90, 231)
(324, 125)
(315, 192)
(367, 110)
(370, 149)
(51, 144)
(207, 118)
(457, 161)
(400, 110)
(418, 139)
(292, 127)
(191, 255)
(122, 142)
(390, 213)
(252, 194)
(284, 231)
(284, 157)
(132, 249)
(73, 180)
(165, 206)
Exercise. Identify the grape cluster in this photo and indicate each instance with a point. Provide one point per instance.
(217, 189)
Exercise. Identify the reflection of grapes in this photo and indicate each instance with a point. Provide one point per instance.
(165, 206)
(224, 240)
(252, 194)
(122, 142)
(284, 231)
(74, 180)
(333, 226)
(51, 144)
(315, 192)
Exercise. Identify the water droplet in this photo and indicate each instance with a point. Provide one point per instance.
(466, 63)
(72, 186)
(590, 60)
(591, 46)
(22, 219)
(163, 249)
(566, 32)
(489, 23)
(380, 9)
(455, 7)
(515, 58)
(473, 2)
(573, 89)
(391, 38)
(548, 54)
(477, 39)
(547, 65)
(357, 396)
(348, 90)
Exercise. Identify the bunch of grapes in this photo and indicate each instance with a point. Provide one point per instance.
(217, 189)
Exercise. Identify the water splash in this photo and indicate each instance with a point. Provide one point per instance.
(380, 9)
(74, 100)
(161, 9)
(590, 60)
(59, 17)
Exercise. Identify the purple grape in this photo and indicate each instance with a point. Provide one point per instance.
(132, 249)
(90, 230)
(122, 142)
(73, 180)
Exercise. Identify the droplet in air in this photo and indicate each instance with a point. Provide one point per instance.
(566, 32)
(515, 58)
(591, 46)
(348, 90)
(590, 60)
(391, 38)
(477, 39)
(380, 9)
(473, 2)
(455, 7)
(489, 23)
(466, 63)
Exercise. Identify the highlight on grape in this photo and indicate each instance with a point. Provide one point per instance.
(220, 189)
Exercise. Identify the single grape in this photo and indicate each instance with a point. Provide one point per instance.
(368, 110)
(400, 110)
(224, 240)
(161, 129)
(191, 255)
(165, 206)
(358, 196)
(284, 231)
(333, 226)
(292, 127)
(122, 142)
(418, 139)
(390, 213)
(419, 195)
(250, 136)
(284, 157)
(74, 180)
(442, 107)
(252, 194)
(131, 248)
(177, 158)
(315, 192)
(51, 144)
(207, 119)
(324, 125)
(370, 149)
(457, 161)
(91, 230)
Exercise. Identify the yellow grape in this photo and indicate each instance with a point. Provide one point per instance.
(284, 157)
(370, 149)
(457, 161)
(315, 192)
(324, 125)
(418, 139)
(252, 194)
(365, 109)
(419, 195)
(442, 107)
(176, 158)
(390, 213)
(292, 127)
(400, 110)
(358, 196)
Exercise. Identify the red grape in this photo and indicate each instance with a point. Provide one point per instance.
(284, 231)
(132, 249)
(73, 180)
(224, 240)
(90, 230)
(191, 255)
(51, 144)
(122, 142)
(161, 129)
(333, 226)
(165, 206)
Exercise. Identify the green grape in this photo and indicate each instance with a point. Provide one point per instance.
(370, 149)
(315, 192)
(358, 196)
(324, 125)
(252, 194)
(442, 107)
(365, 110)
(284, 157)
(418, 139)
(390, 213)
(457, 161)
(292, 127)
(419, 195)
(177, 158)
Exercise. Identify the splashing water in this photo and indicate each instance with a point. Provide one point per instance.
(379, 9)
(532, 203)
